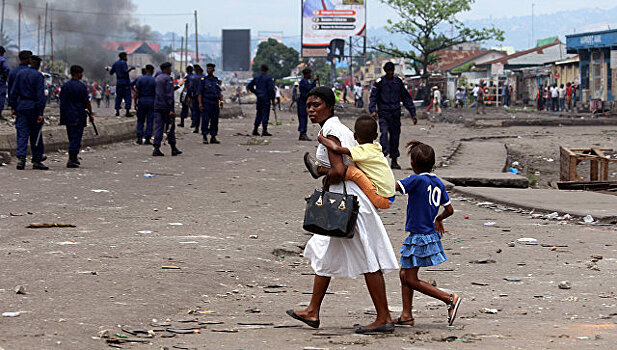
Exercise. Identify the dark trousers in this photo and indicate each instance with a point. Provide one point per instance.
(263, 113)
(163, 122)
(555, 104)
(28, 129)
(75, 134)
(195, 113)
(123, 92)
(302, 117)
(184, 113)
(390, 129)
(145, 117)
(210, 118)
(2, 97)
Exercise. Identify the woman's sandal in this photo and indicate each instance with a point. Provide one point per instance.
(311, 165)
(293, 314)
(454, 308)
(409, 322)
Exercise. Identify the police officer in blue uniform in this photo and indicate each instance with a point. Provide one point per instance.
(194, 82)
(4, 75)
(209, 97)
(306, 85)
(386, 97)
(24, 63)
(144, 97)
(27, 97)
(74, 101)
(263, 87)
(123, 84)
(164, 111)
(185, 99)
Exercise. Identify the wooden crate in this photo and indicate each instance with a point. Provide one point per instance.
(571, 157)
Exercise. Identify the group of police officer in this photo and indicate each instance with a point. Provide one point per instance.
(154, 100)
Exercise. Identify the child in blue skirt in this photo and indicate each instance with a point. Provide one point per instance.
(423, 247)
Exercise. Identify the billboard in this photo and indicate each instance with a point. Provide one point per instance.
(264, 36)
(236, 50)
(326, 20)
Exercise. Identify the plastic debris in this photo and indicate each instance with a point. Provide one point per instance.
(175, 224)
(489, 311)
(144, 232)
(19, 289)
(527, 240)
(100, 191)
(512, 279)
(170, 267)
(490, 223)
(553, 215)
(588, 219)
(149, 175)
(564, 285)
(11, 314)
(513, 171)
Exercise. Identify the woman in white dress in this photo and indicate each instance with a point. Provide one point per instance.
(369, 252)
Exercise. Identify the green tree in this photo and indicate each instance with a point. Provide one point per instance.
(279, 58)
(421, 21)
(320, 67)
(7, 42)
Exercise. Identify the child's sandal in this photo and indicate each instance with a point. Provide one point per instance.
(454, 308)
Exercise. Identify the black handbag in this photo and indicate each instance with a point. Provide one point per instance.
(331, 214)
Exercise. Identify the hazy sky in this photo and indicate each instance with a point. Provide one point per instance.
(284, 15)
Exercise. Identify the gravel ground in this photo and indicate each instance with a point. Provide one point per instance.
(229, 216)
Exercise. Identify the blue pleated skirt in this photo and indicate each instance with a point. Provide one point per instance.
(421, 250)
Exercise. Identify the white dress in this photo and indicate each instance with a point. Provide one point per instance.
(370, 249)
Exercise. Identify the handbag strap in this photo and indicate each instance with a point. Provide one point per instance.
(326, 185)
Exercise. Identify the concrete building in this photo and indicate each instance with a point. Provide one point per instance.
(598, 64)
(139, 53)
(566, 71)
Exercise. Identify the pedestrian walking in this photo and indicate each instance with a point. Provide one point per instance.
(480, 98)
(4, 75)
(98, 96)
(145, 91)
(210, 98)
(569, 97)
(435, 101)
(194, 82)
(123, 84)
(107, 95)
(164, 112)
(263, 87)
(385, 103)
(358, 95)
(27, 97)
(562, 98)
(369, 252)
(306, 85)
(185, 98)
(74, 102)
(294, 96)
(424, 225)
(277, 96)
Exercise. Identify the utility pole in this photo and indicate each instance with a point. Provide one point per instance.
(351, 60)
(186, 45)
(196, 40)
(45, 31)
(51, 39)
(181, 53)
(19, 28)
(532, 34)
(173, 55)
(2, 22)
(38, 40)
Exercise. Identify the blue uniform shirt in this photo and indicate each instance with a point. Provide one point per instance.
(11, 79)
(305, 87)
(388, 95)
(262, 86)
(209, 89)
(147, 88)
(134, 81)
(164, 93)
(73, 101)
(5, 70)
(120, 70)
(27, 92)
(194, 82)
(426, 193)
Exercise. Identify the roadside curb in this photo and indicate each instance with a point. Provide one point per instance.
(55, 137)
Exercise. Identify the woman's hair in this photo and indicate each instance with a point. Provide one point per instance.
(422, 155)
(325, 94)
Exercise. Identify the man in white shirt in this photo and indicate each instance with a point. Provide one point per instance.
(555, 98)
(358, 96)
